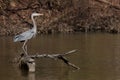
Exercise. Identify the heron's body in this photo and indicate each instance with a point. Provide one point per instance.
(25, 36)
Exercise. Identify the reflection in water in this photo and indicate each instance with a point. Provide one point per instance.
(31, 76)
(98, 57)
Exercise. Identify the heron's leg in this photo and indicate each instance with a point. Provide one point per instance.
(26, 49)
(23, 47)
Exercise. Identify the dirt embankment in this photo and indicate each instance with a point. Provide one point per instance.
(60, 16)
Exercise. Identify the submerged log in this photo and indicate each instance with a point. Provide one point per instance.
(28, 62)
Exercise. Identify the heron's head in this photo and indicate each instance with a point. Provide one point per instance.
(37, 14)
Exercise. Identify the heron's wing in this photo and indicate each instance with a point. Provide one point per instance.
(24, 36)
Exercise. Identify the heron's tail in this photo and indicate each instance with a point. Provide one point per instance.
(14, 39)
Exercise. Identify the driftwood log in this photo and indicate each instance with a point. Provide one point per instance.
(28, 62)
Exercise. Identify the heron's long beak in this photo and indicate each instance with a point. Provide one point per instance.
(40, 14)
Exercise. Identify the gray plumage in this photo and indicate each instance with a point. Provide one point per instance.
(24, 36)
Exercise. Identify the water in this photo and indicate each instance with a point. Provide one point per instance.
(98, 57)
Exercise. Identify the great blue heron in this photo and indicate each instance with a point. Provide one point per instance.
(25, 36)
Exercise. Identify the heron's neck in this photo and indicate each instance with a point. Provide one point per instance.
(34, 23)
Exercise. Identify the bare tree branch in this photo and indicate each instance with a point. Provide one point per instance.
(52, 56)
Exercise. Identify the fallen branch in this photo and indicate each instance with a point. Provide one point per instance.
(52, 55)
(67, 62)
(30, 58)
(59, 57)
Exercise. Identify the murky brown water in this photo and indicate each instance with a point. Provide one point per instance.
(98, 57)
